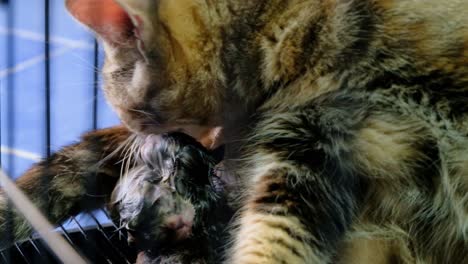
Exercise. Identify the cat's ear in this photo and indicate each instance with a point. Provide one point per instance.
(141, 13)
(105, 17)
(117, 22)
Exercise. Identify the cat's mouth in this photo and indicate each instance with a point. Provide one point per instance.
(209, 137)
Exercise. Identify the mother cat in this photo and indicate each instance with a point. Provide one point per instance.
(347, 119)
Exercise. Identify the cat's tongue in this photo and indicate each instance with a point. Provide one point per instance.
(212, 138)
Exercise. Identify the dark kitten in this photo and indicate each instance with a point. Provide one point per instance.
(172, 204)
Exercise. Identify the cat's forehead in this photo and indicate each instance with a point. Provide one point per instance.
(162, 57)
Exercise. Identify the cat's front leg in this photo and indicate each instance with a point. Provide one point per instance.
(77, 178)
(308, 175)
(303, 192)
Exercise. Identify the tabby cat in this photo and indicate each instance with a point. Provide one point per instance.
(346, 121)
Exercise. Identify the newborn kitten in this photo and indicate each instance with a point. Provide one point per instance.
(172, 204)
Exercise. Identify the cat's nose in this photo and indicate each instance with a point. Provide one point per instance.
(180, 225)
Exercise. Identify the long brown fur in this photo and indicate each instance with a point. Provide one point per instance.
(76, 178)
(346, 120)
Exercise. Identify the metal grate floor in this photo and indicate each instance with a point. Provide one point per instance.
(101, 243)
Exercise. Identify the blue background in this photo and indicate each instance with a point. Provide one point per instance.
(22, 82)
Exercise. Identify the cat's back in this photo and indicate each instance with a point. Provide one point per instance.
(432, 35)
(420, 61)
(372, 44)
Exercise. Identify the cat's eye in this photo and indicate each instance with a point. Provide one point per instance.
(151, 167)
(156, 179)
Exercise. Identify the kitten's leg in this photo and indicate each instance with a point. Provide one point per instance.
(74, 179)
(307, 178)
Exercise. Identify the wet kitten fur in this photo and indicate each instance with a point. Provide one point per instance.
(348, 118)
(173, 204)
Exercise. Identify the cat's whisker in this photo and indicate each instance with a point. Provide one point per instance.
(119, 149)
(82, 83)
(86, 62)
(147, 114)
(130, 157)
(124, 169)
(95, 195)
(120, 228)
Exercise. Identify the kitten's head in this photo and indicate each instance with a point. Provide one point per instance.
(162, 70)
(170, 194)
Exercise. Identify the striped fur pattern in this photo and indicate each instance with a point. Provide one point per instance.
(345, 120)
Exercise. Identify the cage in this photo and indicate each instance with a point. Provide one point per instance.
(49, 95)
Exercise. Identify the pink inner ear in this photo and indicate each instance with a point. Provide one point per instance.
(108, 19)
